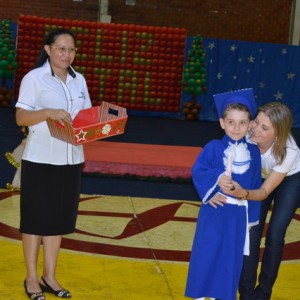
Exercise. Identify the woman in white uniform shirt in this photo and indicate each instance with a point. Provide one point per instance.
(51, 168)
(280, 155)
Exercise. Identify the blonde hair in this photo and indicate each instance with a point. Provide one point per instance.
(282, 120)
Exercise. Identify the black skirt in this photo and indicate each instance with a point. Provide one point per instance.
(49, 198)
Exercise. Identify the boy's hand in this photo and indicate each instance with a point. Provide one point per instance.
(217, 199)
(226, 183)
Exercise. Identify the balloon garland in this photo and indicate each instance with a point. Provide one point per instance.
(134, 66)
(194, 78)
(8, 62)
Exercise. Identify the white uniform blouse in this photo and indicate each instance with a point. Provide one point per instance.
(290, 165)
(40, 89)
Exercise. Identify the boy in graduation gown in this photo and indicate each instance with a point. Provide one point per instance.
(222, 237)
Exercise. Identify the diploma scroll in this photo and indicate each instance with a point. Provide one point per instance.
(229, 162)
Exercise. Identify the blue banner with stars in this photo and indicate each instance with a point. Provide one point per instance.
(272, 70)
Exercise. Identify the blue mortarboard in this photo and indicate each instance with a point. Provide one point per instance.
(244, 96)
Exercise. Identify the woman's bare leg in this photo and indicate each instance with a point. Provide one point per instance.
(31, 248)
(51, 250)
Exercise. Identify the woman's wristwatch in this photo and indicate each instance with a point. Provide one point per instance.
(245, 197)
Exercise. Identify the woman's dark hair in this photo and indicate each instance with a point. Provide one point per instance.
(49, 40)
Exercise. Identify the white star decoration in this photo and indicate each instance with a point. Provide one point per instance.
(291, 75)
(251, 59)
(233, 48)
(262, 84)
(81, 135)
(284, 51)
(278, 95)
(219, 75)
(211, 46)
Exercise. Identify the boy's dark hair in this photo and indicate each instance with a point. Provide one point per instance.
(237, 106)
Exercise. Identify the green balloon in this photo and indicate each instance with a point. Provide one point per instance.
(5, 22)
(8, 74)
(192, 82)
(14, 64)
(7, 41)
(192, 70)
(4, 51)
(197, 75)
(197, 64)
(3, 64)
(10, 57)
(186, 76)
(198, 90)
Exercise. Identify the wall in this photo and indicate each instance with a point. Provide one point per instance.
(66, 9)
(255, 20)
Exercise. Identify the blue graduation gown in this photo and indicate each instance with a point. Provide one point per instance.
(217, 251)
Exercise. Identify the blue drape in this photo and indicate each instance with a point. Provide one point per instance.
(272, 70)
